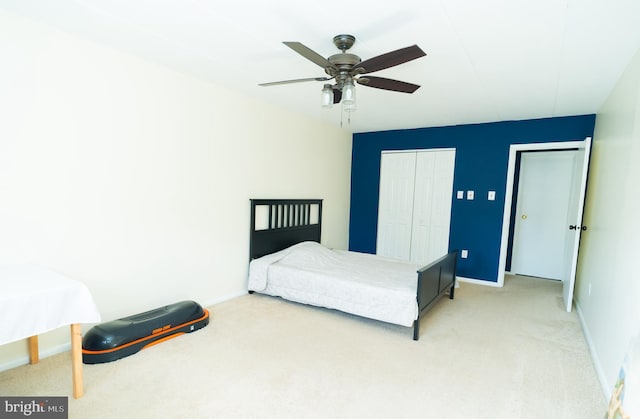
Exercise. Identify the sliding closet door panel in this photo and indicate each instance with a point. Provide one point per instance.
(395, 211)
(442, 198)
(423, 207)
(432, 205)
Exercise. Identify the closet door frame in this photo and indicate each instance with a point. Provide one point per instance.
(404, 251)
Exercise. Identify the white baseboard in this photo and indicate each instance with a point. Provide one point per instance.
(24, 360)
(604, 383)
(214, 301)
(477, 281)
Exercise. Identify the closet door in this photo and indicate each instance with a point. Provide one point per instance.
(432, 205)
(414, 210)
(395, 210)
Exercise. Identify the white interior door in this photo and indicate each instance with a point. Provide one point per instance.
(432, 205)
(541, 232)
(576, 211)
(395, 210)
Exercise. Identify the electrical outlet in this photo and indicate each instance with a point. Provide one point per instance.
(464, 254)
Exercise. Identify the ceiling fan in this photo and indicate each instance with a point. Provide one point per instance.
(346, 68)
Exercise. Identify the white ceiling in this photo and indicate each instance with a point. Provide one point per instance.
(490, 60)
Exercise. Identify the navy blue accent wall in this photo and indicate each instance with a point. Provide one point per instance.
(482, 154)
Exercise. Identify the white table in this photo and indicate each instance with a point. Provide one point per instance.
(35, 300)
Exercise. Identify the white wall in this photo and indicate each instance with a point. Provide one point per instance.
(136, 180)
(608, 260)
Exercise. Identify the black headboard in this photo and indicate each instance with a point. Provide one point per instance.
(282, 223)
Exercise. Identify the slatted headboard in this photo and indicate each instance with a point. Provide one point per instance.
(279, 223)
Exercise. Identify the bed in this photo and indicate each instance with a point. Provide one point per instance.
(288, 261)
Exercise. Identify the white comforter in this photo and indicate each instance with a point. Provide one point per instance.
(357, 283)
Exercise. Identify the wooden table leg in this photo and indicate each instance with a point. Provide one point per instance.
(76, 360)
(34, 356)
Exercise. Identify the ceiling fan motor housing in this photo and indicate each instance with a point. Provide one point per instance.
(343, 62)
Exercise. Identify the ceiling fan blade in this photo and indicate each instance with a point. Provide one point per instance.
(275, 83)
(388, 84)
(310, 54)
(389, 59)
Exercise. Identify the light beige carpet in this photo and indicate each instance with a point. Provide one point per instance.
(490, 353)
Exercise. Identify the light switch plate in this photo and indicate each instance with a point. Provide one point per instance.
(470, 195)
(464, 253)
(491, 196)
(460, 195)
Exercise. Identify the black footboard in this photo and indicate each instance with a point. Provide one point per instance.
(434, 280)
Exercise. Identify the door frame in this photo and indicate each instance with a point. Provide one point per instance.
(564, 161)
(508, 199)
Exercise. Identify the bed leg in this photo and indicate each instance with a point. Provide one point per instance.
(452, 290)
(251, 292)
(416, 328)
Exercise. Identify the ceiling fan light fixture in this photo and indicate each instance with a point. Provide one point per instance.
(349, 107)
(349, 93)
(326, 96)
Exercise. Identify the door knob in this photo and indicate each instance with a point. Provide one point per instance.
(524, 216)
